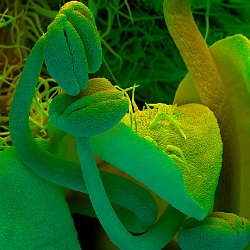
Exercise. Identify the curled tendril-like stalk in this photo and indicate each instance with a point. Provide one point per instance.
(4, 22)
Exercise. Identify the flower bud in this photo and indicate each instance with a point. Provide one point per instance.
(73, 47)
(65, 56)
(93, 112)
(224, 231)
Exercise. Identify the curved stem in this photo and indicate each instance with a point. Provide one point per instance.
(47, 164)
(38, 159)
(155, 238)
(211, 88)
(195, 53)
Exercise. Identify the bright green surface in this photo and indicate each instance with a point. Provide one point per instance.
(171, 159)
(34, 213)
(232, 60)
(146, 161)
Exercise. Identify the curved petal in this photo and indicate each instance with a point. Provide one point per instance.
(144, 160)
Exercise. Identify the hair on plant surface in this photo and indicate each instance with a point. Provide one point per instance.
(33, 17)
(18, 35)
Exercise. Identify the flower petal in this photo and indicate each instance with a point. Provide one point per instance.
(191, 193)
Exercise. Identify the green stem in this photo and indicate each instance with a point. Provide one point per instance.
(38, 159)
(212, 91)
(195, 53)
(155, 238)
(46, 164)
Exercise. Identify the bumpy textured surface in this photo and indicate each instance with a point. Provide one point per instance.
(73, 47)
(219, 231)
(194, 51)
(91, 113)
(231, 56)
(146, 161)
(84, 23)
(70, 68)
(34, 214)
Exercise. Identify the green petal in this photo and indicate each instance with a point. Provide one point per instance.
(34, 213)
(224, 231)
(231, 56)
(192, 193)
